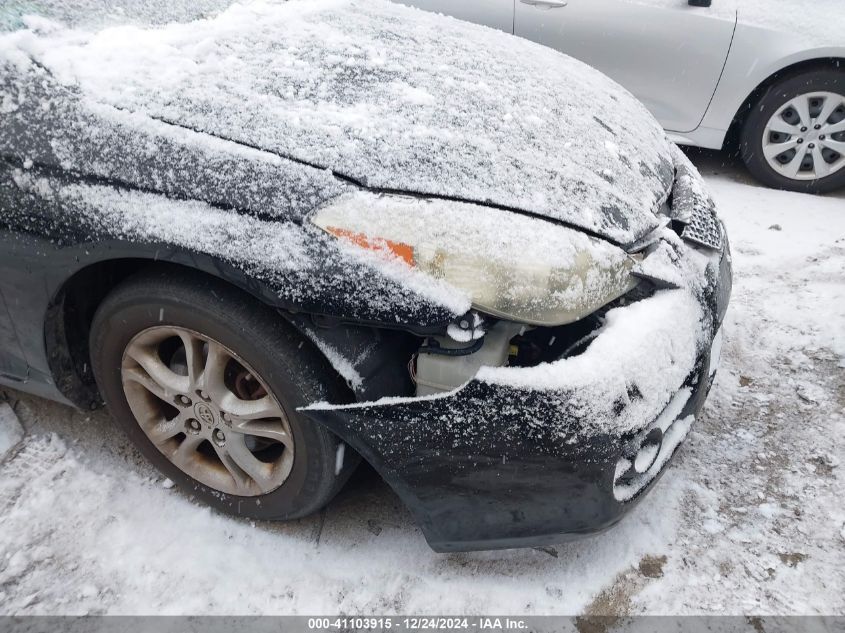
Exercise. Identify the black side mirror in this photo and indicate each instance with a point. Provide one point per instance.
(700, 3)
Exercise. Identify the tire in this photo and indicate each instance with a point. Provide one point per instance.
(775, 107)
(136, 323)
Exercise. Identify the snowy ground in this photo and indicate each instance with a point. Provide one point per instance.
(749, 519)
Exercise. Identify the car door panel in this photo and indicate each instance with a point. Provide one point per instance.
(497, 14)
(668, 54)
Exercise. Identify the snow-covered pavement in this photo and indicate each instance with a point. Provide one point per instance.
(749, 519)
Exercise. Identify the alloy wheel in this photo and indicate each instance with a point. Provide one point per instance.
(805, 138)
(207, 411)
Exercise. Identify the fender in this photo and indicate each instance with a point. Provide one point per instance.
(49, 239)
(739, 83)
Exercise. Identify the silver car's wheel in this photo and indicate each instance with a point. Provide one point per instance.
(793, 135)
(805, 138)
(207, 411)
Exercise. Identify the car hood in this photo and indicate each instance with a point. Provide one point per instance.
(390, 98)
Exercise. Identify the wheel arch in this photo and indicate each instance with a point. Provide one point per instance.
(71, 309)
(731, 141)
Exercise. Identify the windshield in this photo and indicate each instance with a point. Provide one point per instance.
(98, 13)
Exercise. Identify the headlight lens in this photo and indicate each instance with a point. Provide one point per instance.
(512, 266)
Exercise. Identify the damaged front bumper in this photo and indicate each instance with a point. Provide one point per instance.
(526, 456)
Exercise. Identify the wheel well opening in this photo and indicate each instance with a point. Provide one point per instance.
(71, 313)
(732, 138)
(68, 322)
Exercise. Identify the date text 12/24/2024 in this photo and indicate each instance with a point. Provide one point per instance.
(416, 623)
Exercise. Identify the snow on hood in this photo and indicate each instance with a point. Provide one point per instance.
(391, 97)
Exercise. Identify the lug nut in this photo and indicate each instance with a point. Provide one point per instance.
(821, 137)
(803, 129)
(817, 127)
(800, 140)
(811, 145)
(203, 395)
(185, 400)
(192, 426)
(219, 437)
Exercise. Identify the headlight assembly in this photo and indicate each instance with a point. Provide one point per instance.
(512, 266)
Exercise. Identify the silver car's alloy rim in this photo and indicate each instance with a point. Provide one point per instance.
(805, 138)
(207, 411)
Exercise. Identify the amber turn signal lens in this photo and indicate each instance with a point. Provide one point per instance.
(378, 244)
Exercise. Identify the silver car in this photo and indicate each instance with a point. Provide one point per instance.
(766, 79)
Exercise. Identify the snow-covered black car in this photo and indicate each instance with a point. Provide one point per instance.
(287, 236)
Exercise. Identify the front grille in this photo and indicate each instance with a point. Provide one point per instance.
(704, 228)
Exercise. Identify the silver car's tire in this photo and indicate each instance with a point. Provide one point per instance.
(206, 383)
(794, 136)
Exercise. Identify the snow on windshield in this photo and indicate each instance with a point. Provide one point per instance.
(99, 13)
(391, 96)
